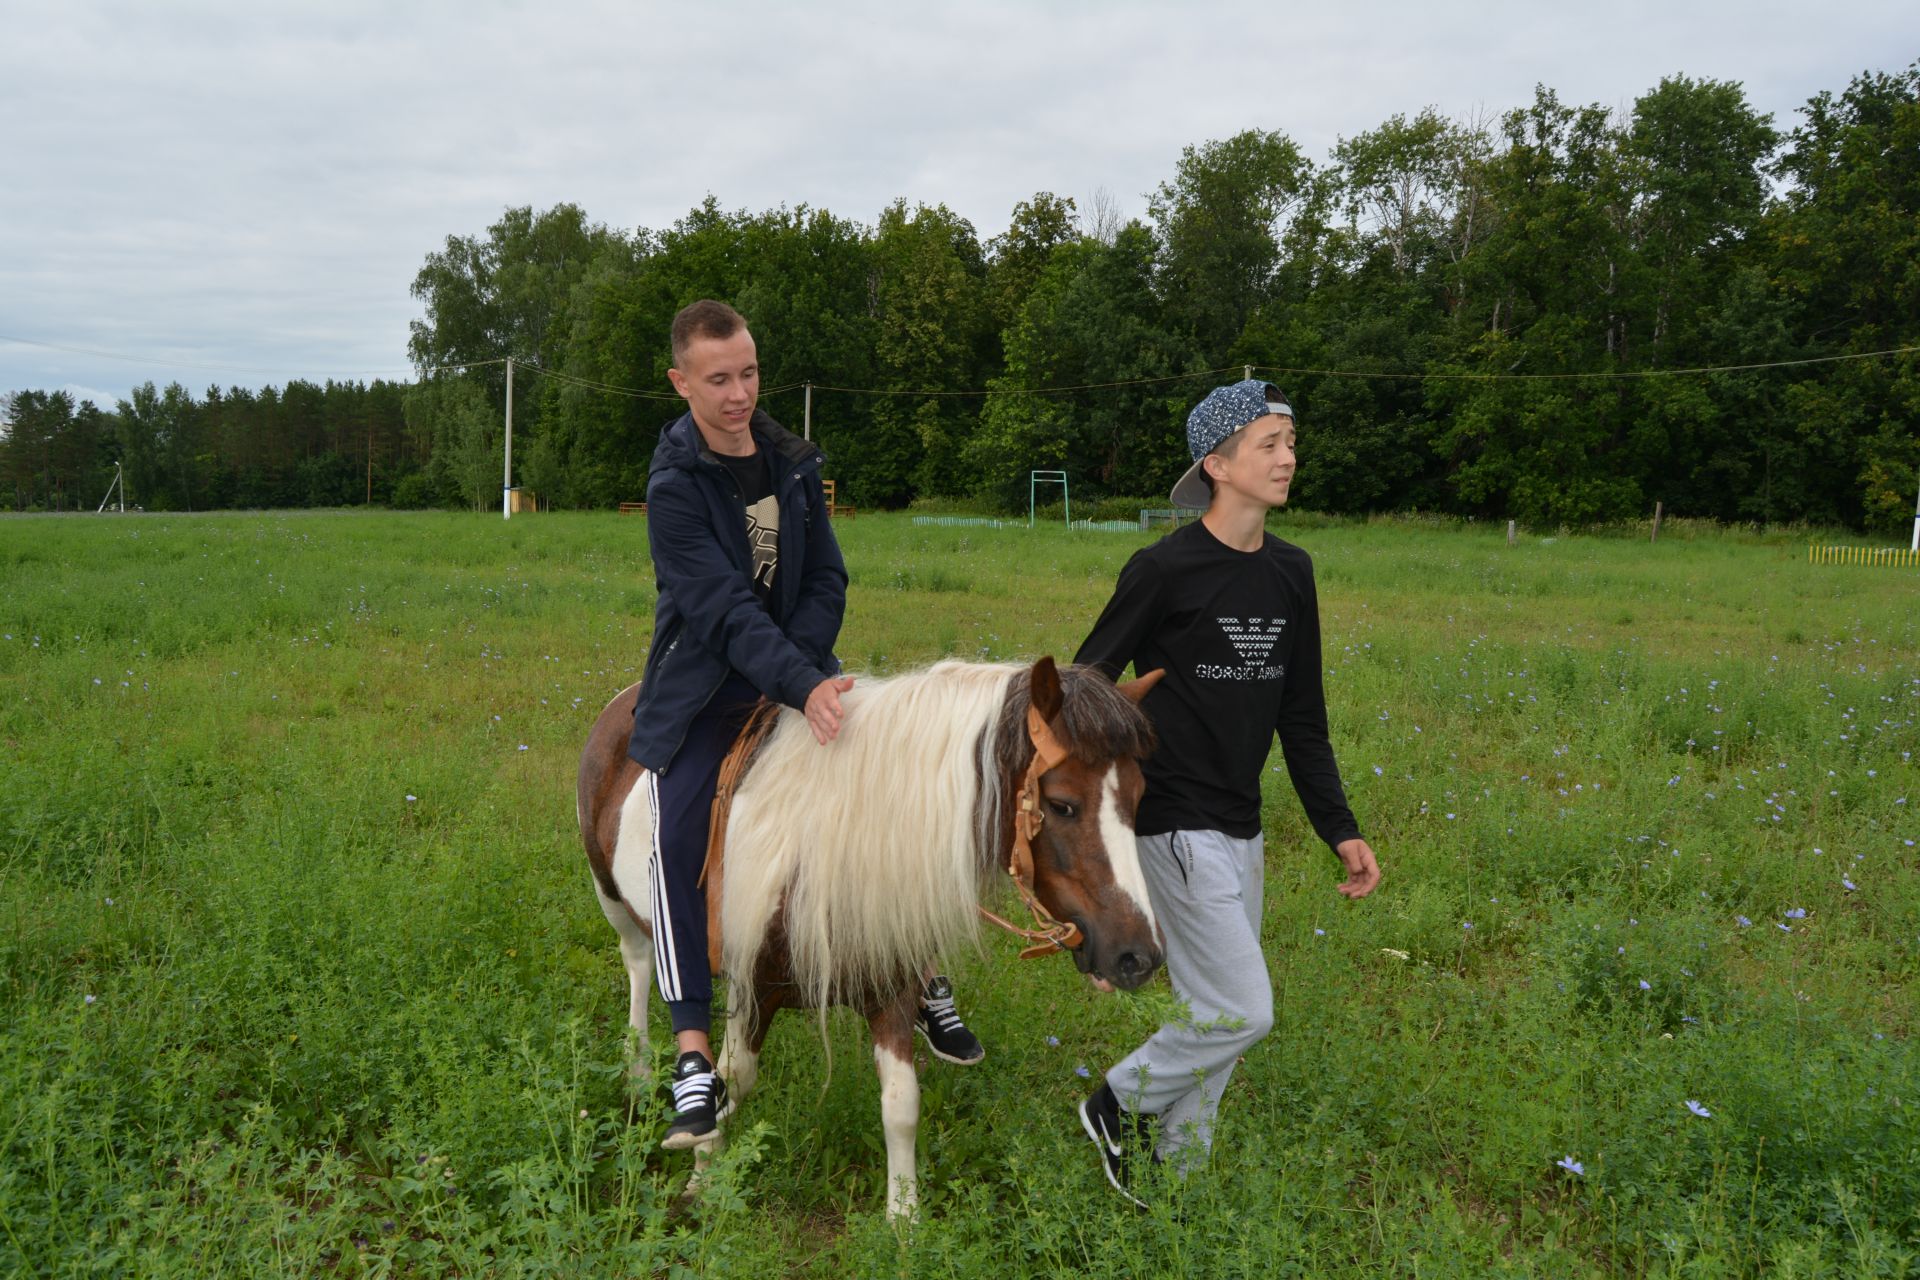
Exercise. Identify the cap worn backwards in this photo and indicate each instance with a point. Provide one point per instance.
(1224, 411)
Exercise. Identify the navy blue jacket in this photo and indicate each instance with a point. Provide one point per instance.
(707, 620)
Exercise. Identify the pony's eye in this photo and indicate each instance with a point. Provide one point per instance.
(1062, 808)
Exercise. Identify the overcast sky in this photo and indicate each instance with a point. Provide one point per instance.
(241, 193)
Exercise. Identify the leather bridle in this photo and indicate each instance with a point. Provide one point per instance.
(1050, 934)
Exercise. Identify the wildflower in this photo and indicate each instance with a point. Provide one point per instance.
(1645, 985)
(1053, 1042)
(1784, 928)
(1378, 771)
(1395, 953)
(90, 997)
(523, 746)
(1572, 1166)
(411, 798)
(1082, 1072)
(1466, 924)
(1850, 885)
(1699, 1110)
(1798, 913)
(1744, 922)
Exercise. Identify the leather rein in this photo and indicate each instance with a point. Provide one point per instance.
(1050, 934)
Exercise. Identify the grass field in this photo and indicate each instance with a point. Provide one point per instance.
(300, 972)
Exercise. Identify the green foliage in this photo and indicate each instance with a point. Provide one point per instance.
(1492, 317)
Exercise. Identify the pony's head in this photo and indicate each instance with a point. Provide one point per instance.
(1086, 867)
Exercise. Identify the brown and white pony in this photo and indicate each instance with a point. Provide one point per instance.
(851, 868)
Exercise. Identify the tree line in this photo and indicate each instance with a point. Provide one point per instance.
(1478, 316)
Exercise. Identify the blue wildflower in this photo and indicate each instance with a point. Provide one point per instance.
(1699, 1110)
(1572, 1166)
(1798, 913)
(1645, 985)
(1744, 922)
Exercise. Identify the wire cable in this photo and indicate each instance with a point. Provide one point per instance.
(943, 393)
(1597, 374)
(169, 362)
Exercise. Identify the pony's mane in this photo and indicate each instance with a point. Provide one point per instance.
(913, 790)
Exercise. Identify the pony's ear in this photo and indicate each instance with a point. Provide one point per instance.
(1137, 689)
(1044, 685)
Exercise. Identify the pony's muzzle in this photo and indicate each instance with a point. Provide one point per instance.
(1133, 966)
(1127, 966)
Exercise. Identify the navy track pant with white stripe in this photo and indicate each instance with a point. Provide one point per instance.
(682, 809)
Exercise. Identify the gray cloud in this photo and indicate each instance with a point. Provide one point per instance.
(254, 186)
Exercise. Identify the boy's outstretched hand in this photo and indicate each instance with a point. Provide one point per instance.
(1363, 873)
(823, 710)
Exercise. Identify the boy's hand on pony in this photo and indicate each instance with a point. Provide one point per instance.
(823, 711)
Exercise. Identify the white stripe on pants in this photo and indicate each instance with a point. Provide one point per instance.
(1207, 891)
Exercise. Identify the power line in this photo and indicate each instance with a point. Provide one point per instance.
(943, 393)
(631, 392)
(169, 362)
(1606, 374)
(939, 393)
(1034, 391)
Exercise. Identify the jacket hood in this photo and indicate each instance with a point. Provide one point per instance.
(681, 447)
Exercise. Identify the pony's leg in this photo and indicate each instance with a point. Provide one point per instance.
(631, 915)
(739, 1063)
(636, 953)
(899, 1101)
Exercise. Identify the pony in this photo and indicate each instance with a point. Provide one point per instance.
(848, 869)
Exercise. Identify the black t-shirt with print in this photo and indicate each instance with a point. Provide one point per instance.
(753, 480)
(1238, 633)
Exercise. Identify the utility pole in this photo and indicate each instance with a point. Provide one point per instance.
(506, 479)
(808, 435)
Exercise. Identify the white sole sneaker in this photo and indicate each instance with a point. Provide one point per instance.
(1106, 1149)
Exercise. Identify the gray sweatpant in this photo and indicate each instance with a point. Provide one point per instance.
(1206, 889)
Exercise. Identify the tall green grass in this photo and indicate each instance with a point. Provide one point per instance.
(300, 973)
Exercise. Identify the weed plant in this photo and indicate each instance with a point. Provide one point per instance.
(300, 972)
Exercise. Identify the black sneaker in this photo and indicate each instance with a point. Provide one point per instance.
(699, 1102)
(1120, 1136)
(941, 1027)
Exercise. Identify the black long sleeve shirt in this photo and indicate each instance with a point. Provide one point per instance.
(1238, 633)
